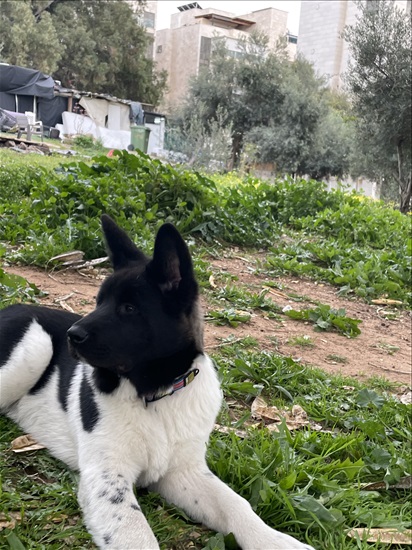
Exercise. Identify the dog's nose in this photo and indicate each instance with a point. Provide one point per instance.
(77, 335)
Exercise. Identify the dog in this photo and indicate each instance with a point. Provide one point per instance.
(126, 395)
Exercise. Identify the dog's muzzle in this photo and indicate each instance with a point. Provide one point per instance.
(77, 335)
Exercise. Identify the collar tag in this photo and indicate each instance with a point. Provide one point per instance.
(178, 384)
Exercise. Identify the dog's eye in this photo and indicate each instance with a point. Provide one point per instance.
(127, 308)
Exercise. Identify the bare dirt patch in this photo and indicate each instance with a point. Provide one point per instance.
(382, 349)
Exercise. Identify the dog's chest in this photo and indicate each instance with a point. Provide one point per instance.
(152, 438)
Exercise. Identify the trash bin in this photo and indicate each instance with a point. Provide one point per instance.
(140, 137)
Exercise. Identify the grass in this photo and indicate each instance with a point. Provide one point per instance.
(335, 358)
(304, 341)
(306, 482)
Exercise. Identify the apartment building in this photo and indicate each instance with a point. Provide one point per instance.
(320, 40)
(148, 20)
(187, 46)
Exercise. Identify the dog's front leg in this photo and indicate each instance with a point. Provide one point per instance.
(206, 499)
(111, 511)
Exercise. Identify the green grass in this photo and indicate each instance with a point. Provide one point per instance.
(331, 236)
(337, 358)
(307, 483)
(304, 341)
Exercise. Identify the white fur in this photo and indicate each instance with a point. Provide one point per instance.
(161, 445)
(31, 356)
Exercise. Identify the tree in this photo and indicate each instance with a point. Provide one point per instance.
(379, 78)
(105, 50)
(98, 46)
(28, 41)
(247, 89)
(276, 107)
(289, 139)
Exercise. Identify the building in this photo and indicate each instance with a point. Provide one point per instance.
(147, 19)
(320, 35)
(186, 47)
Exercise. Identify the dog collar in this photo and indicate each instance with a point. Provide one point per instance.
(178, 384)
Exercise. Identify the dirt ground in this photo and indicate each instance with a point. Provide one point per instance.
(382, 349)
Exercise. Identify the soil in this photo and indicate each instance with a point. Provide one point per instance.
(382, 349)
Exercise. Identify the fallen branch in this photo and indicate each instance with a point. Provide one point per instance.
(389, 370)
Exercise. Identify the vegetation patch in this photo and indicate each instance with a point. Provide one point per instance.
(331, 236)
(325, 318)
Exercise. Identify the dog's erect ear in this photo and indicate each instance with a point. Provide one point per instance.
(171, 267)
(121, 249)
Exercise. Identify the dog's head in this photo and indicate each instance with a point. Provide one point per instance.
(147, 323)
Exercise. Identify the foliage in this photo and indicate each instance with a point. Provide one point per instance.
(247, 90)
(380, 82)
(203, 146)
(15, 289)
(26, 41)
(79, 44)
(62, 211)
(89, 144)
(230, 316)
(274, 106)
(307, 482)
(333, 236)
(324, 318)
(288, 139)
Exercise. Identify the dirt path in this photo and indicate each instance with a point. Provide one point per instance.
(382, 349)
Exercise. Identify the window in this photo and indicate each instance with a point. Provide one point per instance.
(205, 51)
(149, 20)
(159, 49)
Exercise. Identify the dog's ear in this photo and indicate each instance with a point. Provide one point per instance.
(171, 267)
(121, 249)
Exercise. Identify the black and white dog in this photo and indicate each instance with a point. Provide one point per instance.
(131, 399)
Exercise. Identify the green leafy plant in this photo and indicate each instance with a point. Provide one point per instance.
(326, 318)
(231, 317)
(304, 341)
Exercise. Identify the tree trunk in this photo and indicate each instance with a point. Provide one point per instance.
(405, 191)
(404, 181)
(237, 142)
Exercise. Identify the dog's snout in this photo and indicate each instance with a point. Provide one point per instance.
(77, 334)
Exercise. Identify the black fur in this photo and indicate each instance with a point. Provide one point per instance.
(151, 303)
(14, 322)
(88, 407)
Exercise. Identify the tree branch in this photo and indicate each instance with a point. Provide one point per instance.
(40, 9)
(383, 72)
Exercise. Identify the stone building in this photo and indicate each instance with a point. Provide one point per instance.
(184, 48)
(320, 40)
(148, 20)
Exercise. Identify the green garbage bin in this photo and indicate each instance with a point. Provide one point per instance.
(140, 137)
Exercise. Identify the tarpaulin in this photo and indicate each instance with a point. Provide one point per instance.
(50, 111)
(21, 81)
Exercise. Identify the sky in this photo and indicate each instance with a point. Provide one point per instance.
(165, 8)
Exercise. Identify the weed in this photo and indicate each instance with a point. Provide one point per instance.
(337, 358)
(231, 317)
(387, 348)
(304, 341)
(15, 289)
(326, 318)
(331, 236)
(305, 482)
